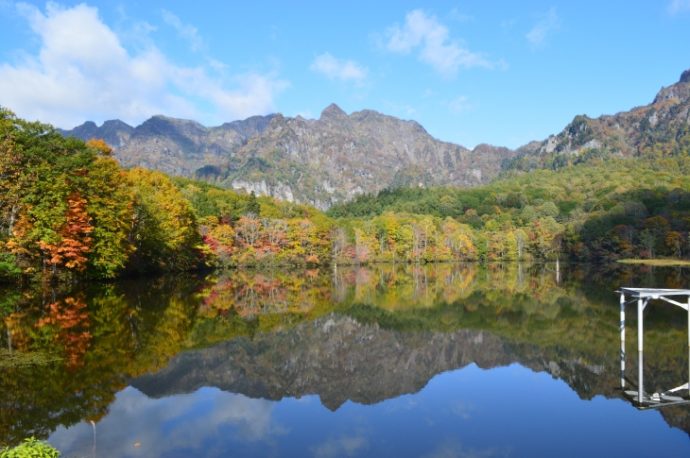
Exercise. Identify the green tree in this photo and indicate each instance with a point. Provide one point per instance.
(164, 230)
(253, 208)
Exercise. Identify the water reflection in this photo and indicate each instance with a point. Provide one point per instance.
(250, 355)
(468, 412)
(137, 425)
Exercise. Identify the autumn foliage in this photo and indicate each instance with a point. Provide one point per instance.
(75, 243)
(69, 323)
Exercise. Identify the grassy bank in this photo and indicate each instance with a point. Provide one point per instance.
(659, 262)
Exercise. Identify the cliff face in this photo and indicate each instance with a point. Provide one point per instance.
(320, 162)
(339, 156)
(115, 132)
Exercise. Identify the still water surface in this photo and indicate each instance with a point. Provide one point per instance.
(441, 360)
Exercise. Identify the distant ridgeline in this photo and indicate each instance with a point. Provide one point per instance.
(68, 209)
(313, 161)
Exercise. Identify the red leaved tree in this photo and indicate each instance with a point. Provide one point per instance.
(75, 242)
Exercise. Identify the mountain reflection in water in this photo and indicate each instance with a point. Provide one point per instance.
(388, 349)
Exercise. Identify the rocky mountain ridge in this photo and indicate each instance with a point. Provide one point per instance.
(175, 146)
(661, 127)
(316, 161)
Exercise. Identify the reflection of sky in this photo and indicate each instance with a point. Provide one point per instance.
(139, 426)
(509, 411)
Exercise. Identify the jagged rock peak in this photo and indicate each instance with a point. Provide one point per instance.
(88, 125)
(332, 111)
(116, 123)
(107, 124)
(168, 119)
(162, 125)
(685, 76)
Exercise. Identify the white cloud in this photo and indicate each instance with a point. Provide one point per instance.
(452, 449)
(341, 446)
(425, 34)
(186, 31)
(82, 71)
(678, 6)
(547, 24)
(338, 69)
(460, 104)
(459, 16)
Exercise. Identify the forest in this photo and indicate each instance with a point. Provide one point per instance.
(598, 211)
(68, 211)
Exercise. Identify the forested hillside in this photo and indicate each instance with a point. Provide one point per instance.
(334, 158)
(597, 211)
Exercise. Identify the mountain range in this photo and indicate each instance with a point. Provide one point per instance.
(331, 159)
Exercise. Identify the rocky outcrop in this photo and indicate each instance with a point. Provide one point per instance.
(115, 132)
(338, 156)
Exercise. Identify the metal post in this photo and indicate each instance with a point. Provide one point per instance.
(558, 271)
(640, 349)
(622, 328)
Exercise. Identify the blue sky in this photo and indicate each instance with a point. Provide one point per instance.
(470, 72)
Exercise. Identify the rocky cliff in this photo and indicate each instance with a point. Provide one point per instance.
(338, 156)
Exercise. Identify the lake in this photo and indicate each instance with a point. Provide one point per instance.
(439, 360)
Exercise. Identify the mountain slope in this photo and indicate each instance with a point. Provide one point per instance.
(320, 162)
(660, 128)
(115, 132)
(175, 146)
(338, 156)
